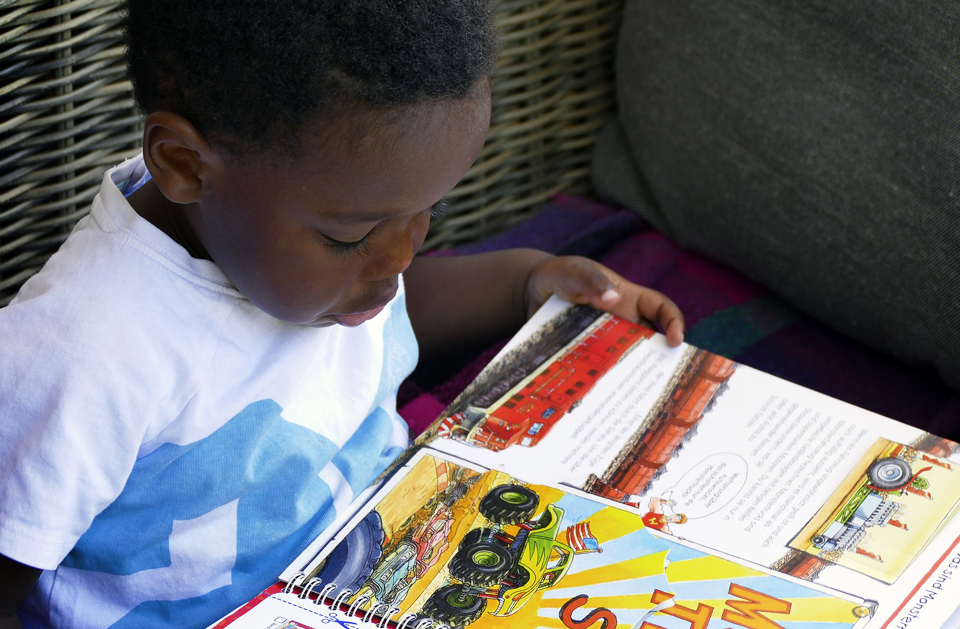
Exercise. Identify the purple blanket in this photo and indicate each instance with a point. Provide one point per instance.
(726, 313)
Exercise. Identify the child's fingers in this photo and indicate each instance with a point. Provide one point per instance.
(577, 280)
(657, 307)
(595, 284)
(583, 281)
(635, 302)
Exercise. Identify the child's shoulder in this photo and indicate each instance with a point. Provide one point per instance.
(104, 306)
(118, 277)
(97, 291)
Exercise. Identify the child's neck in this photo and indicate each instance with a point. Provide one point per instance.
(168, 217)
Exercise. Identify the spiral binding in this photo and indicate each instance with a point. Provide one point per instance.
(294, 582)
(385, 611)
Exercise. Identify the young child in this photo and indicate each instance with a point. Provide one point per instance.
(205, 374)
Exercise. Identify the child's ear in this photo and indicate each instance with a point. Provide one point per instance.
(177, 156)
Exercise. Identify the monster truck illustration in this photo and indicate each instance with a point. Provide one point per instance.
(353, 560)
(492, 564)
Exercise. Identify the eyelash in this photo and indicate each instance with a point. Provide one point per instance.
(438, 209)
(362, 247)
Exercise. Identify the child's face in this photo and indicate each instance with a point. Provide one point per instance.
(322, 238)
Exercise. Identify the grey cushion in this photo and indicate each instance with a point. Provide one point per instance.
(813, 145)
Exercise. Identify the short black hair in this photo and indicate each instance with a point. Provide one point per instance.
(250, 73)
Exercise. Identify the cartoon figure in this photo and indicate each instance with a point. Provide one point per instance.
(656, 518)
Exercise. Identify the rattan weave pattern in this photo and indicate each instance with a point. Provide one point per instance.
(66, 114)
(552, 91)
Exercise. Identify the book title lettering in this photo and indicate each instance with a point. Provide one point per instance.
(746, 611)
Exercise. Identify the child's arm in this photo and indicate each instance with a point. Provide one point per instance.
(16, 581)
(457, 302)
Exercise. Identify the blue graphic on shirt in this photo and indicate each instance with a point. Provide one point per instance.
(268, 465)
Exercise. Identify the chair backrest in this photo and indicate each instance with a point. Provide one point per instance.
(67, 114)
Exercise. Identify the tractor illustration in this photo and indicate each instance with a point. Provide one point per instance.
(492, 564)
(870, 504)
(864, 510)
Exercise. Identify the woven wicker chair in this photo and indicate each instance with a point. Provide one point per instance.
(66, 114)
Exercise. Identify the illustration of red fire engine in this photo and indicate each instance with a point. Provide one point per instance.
(502, 417)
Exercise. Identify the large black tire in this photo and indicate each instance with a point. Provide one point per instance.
(352, 561)
(482, 564)
(478, 535)
(451, 606)
(889, 473)
(509, 504)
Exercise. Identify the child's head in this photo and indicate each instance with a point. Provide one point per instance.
(301, 144)
(250, 73)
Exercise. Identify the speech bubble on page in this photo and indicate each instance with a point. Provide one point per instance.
(709, 485)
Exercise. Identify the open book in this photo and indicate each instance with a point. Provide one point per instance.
(591, 476)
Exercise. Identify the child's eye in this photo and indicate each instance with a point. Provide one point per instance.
(360, 247)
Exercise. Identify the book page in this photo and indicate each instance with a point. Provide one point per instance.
(457, 545)
(715, 452)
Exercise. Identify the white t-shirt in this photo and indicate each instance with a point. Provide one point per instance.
(166, 448)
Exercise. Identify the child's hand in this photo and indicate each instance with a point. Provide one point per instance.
(460, 302)
(583, 281)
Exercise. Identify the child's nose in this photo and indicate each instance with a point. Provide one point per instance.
(402, 243)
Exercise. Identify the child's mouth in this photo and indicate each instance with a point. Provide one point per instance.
(355, 319)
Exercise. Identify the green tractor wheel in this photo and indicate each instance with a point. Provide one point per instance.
(509, 504)
(453, 606)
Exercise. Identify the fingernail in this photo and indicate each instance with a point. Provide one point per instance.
(609, 296)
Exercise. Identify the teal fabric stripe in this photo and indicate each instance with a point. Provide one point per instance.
(731, 331)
